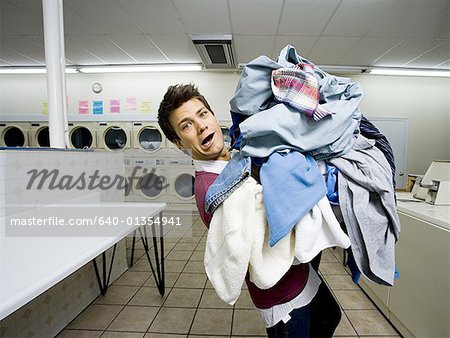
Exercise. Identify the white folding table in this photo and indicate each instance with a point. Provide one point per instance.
(31, 265)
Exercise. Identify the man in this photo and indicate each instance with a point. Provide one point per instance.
(187, 120)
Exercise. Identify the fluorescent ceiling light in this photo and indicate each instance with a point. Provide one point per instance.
(410, 72)
(344, 69)
(30, 70)
(141, 68)
(21, 70)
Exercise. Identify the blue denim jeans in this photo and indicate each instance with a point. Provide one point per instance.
(234, 173)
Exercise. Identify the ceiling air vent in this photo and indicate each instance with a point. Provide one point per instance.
(216, 51)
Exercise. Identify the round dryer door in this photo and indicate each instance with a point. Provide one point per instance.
(81, 138)
(43, 137)
(184, 186)
(151, 185)
(13, 137)
(150, 139)
(115, 138)
(226, 137)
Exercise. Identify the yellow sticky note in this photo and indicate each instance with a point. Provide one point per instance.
(146, 107)
(45, 107)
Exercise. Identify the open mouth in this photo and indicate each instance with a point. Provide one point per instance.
(207, 140)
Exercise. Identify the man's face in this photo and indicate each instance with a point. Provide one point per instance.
(198, 131)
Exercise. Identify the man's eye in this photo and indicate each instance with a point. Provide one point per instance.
(203, 113)
(185, 126)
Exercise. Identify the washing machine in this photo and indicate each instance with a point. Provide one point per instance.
(114, 136)
(39, 134)
(148, 137)
(14, 134)
(150, 180)
(180, 187)
(83, 135)
(225, 126)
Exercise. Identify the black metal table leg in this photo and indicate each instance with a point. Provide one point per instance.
(159, 275)
(103, 284)
(133, 245)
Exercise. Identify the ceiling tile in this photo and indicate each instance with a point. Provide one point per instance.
(153, 16)
(177, 47)
(106, 15)
(356, 17)
(330, 50)
(302, 44)
(25, 46)
(140, 47)
(367, 50)
(433, 57)
(20, 17)
(439, 27)
(15, 59)
(408, 17)
(103, 48)
(260, 45)
(255, 17)
(3, 63)
(76, 25)
(79, 56)
(406, 51)
(306, 17)
(204, 16)
(445, 65)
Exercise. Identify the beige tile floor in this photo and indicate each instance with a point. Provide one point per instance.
(133, 307)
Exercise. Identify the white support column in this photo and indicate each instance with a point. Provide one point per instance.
(63, 73)
(55, 64)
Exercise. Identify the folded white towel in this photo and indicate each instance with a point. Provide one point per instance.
(229, 241)
(318, 230)
(269, 264)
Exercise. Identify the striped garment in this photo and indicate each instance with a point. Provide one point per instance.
(298, 87)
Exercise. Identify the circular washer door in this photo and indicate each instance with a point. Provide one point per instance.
(115, 138)
(13, 137)
(81, 138)
(150, 139)
(151, 185)
(184, 186)
(43, 137)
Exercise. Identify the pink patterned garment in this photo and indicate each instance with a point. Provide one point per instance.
(298, 87)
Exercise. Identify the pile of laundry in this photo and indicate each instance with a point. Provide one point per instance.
(304, 131)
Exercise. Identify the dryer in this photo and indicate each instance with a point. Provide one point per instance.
(14, 134)
(128, 165)
(39, 134)
(83, 135)
(180, 187)
(114, 136)
(148, 137)
(150, 180)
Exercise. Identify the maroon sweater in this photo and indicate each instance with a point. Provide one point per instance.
(287, 288)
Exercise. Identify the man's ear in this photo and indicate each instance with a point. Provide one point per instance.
(178, 144)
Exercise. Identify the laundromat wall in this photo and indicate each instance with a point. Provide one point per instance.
(130, 98)
(121, 118)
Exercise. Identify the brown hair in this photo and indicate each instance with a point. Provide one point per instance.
(174, 98)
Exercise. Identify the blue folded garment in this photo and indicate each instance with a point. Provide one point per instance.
(331, 182)
(292, 185)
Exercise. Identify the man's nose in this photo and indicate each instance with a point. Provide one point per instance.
(202, 126)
